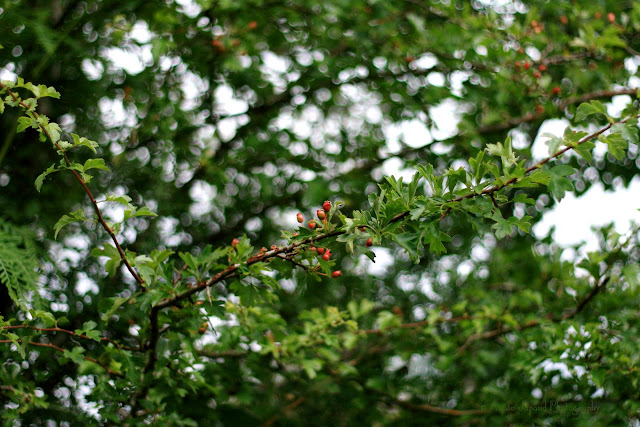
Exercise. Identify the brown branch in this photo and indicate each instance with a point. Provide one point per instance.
(286, 409)
(534, 323)
(72, 333)
(62, 350)
(536, 166)
(82, 182)
(231, 271)
(224, 354)
(533, 116)
(417, 324)
(438, 410)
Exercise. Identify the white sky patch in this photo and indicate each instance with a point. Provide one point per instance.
(7, 72)
(414, 133)
(140, 32)
(132, 59)
(446, 119)
(226, 103)
(394, 166)
(189, 8)
(383, 261)
(192, 87)
(574, 217)
(84, 284)
(202, 195)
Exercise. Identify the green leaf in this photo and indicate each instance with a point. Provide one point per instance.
(628, 131)
(26, 122)
(631, 273)
(144, 211)
(95, 164)
(592, 108)
(584, 150)
(617, 145)
(40, 179)
(68, 219)
(123, 200)
(504, 151)
(558, 184)
(114, 257)
(409, 242)
(553, 142)
(80, 141)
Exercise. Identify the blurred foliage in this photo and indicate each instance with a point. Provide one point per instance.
(226, 119)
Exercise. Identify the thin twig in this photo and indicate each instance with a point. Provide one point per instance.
(72, 333)
(55, 347)
(84, 186)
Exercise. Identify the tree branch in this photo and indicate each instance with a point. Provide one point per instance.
(82, 182)
(72, 333)
(62, 350)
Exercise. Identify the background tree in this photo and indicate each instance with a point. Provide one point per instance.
(229, 119)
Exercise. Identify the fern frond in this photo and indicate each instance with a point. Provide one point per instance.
(19, 264)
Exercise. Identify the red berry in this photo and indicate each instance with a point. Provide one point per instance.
(235, 242)
(534, 23)
(253, 25)
(295, 234)
(326, 206)
(321, 214)
(611, 17)
(274, 247)
(564, 20)
(336, 273)
(312, 248)
(527, 65)
(326, 256)
(369, 242)
(312, 224)
(320, 251)
(300, 217)
(542, 67)
(598, 15)
(537, 75)
(539, 109)
(363, 229)
(556, 90)
(517, 64)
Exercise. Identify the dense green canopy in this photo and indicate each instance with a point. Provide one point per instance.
(178, 138)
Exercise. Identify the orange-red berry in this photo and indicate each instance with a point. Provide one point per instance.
(234, 242)
(253, 25)
(336, 273)
(556, 90)
(300, 217)
(369, 242)
(321, 214)
(311, 224)
(527, 65)
(611, 17)
(326, 256)
(326, 206)
(542, 67)
(320, 251)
